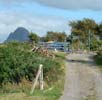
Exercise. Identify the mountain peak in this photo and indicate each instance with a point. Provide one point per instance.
(20, 34)
(21, 29)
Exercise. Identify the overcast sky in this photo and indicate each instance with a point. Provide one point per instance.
(41, 16)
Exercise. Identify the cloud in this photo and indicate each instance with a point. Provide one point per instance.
(9, 21)
(63, 4)
(72, 4)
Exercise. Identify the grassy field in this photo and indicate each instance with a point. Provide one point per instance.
(50, 93)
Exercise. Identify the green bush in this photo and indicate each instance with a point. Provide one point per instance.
(17, 62)
(95, 44)
(98, 57)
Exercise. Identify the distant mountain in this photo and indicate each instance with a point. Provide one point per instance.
(20, 34)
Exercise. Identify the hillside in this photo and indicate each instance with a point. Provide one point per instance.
(20, 34)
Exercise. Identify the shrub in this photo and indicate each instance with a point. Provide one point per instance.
(98, 57)
(17, 62)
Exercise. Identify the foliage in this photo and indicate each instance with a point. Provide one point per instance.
(98, 57)
(18, 63)
(69, 39)
(100, 30)
(82, 27)
(33, 37)
(80, 30)
(95, 44)
(56, 36)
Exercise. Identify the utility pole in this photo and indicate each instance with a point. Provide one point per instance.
(89, 39)
(65, 45)
(71, 41)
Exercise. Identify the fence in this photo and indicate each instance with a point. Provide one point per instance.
(61, 46)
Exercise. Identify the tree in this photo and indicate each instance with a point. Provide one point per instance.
(69, 39)
(81, 28)
(51, 36)
(100, 30)
(62, 37)
(56, 36)
(33, 37)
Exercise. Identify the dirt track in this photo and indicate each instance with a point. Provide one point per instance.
(83, 78)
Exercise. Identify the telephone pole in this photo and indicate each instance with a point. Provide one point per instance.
(89, 39)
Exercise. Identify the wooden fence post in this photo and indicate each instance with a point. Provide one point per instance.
(41, 79)
(38, 76)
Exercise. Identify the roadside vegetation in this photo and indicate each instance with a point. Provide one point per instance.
(98, 58)
(18, 68)
(85, 34)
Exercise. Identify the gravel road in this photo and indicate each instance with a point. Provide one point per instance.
(83, 78)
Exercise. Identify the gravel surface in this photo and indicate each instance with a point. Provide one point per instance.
(83, 78)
